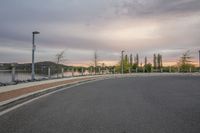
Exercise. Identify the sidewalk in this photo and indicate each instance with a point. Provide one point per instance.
(12, 93)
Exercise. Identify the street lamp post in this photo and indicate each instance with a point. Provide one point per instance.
(122, 62)
(33, 53)
(199, 58)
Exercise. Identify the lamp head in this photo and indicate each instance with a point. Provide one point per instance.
(36, 32)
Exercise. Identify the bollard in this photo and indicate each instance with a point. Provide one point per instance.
(91, 71)
(82, 71)
(190, 69)
(114, 70)
(13, 74)
(62, 70)
(129, 70)
(170, 69)
(178, 69)
(161, 70)
(49, 72)
(72, 72)
(136, 70)
(99, 70)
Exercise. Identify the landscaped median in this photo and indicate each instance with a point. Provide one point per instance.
(16, 94)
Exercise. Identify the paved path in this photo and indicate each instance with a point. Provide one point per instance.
(34, 88)
(15, 94)
(159, 104)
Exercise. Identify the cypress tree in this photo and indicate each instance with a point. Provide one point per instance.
(137, 60)
(131, 60)
(145, 61)
(155, 61)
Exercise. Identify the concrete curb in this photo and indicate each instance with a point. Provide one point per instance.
(29, 84)
(14, 101)
(8, 104)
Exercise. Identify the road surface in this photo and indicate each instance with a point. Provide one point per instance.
(158, 104)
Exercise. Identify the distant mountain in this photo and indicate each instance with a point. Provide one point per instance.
(7, 66)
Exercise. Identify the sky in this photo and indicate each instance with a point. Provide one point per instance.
(81, 27)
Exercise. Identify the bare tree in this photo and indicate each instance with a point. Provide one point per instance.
(59, 58)
(185, 61)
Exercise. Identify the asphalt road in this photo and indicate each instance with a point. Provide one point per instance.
(166, 104)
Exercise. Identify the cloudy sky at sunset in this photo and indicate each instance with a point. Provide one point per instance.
(168, 27)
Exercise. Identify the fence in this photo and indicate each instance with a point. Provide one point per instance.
(14, 75)
(7, 76)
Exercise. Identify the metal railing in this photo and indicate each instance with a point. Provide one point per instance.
(16, 76)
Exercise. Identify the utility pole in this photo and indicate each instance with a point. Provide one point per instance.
(95, 61)
(199, 59)
(33, 55)
(122, 62)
